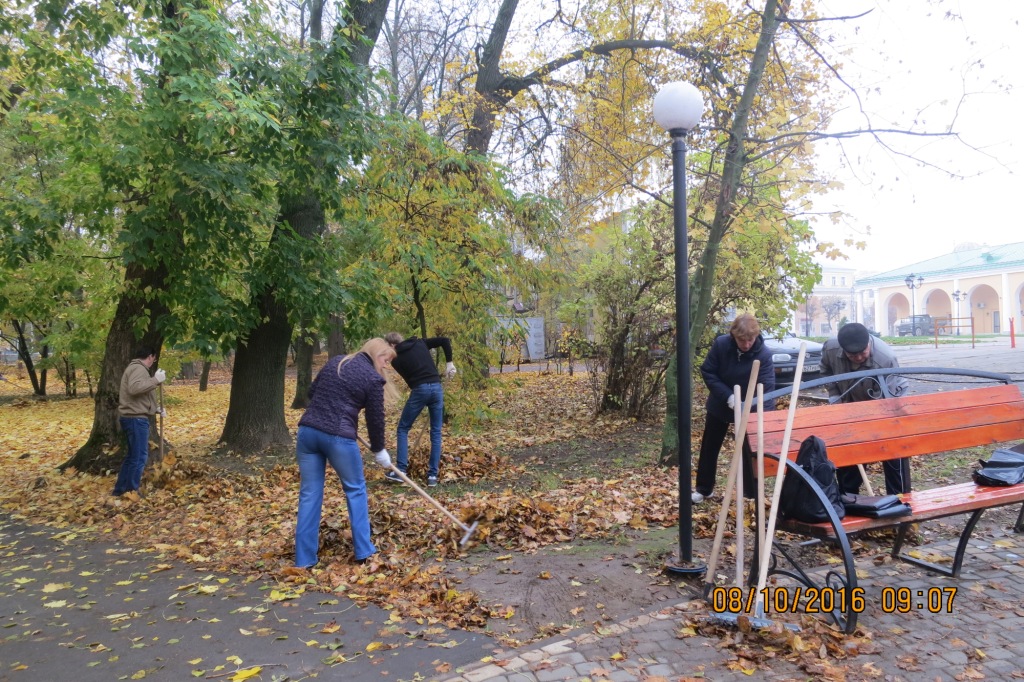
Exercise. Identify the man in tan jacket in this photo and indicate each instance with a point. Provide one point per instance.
(136, 403)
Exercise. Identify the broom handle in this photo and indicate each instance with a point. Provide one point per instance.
(419, 434)
(723, 513)
(769, 534)
(864, 477)
(738, 454)
(160, 393)
(740, 434)
(430, 499)
(760, 464)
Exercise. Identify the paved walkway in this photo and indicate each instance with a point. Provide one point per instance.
(73, 607)
(979, 639)
(76, 608)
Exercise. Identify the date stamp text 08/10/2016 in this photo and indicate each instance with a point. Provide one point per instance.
(828, 599)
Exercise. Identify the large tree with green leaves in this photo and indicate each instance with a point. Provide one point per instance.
(170, 138)
(324, 98)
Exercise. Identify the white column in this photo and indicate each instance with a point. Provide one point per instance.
(881, 319)
(1004, 305)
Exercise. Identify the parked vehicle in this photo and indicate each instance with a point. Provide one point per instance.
(784, 355)
(920, 325)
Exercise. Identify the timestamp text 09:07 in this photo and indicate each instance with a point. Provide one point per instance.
(828, 599)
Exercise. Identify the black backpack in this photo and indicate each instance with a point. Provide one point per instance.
(798, 501)
(1006, 467)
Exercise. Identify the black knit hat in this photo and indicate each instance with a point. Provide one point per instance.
(854, 337)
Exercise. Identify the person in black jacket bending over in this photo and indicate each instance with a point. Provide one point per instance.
(728, 364)
(415, 364)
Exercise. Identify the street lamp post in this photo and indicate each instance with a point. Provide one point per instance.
(909, 281)
(958, 296)
(677, 109)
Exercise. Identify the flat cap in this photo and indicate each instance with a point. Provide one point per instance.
(853, 337)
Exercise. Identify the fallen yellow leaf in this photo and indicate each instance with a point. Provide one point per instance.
(246, 674)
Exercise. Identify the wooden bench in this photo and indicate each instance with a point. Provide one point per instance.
(876, 430)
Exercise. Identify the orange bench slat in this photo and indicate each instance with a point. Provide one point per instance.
(872, 431)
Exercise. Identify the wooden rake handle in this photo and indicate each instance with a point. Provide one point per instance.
(408, 481)
(773, 515)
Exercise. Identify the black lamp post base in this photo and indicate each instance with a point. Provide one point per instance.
(686, 569)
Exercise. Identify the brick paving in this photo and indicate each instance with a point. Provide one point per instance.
(980, 639)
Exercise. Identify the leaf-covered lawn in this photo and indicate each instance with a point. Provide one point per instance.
(222, 519)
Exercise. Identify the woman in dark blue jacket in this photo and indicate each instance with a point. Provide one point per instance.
(345, 386)
(728, 364)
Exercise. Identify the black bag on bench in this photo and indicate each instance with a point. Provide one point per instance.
(1006, 467)
(797, 500)
(875, 507)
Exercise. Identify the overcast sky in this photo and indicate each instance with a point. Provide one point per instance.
(911, 62)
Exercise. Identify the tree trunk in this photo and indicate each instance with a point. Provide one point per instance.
(255, 417)
(304, 346)
(488, 81)
(669, 456)
(368, 15)
(421, 314)
(38, 379)
(336, 336)
(204, 378)
(104, 449)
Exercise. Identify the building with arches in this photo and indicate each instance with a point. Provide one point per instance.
(979, 285)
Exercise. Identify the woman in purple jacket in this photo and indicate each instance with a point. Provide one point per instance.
(327, 433)
(728, 364)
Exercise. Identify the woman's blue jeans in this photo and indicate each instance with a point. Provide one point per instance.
(313, 450)
(130, 476)
(430, 396)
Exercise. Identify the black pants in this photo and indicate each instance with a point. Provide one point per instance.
(707, 462)
(897, 477)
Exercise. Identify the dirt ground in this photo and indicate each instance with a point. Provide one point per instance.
(583, 583)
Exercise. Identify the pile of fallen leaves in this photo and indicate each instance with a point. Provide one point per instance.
(243, 523)
(819, 650)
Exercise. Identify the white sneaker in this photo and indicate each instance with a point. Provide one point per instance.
(696, 497)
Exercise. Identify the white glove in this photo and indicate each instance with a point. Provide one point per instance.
(732, 402)
(449, 370)
(160, 376)
(383, 458)
(163, 412)
(833, 399)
